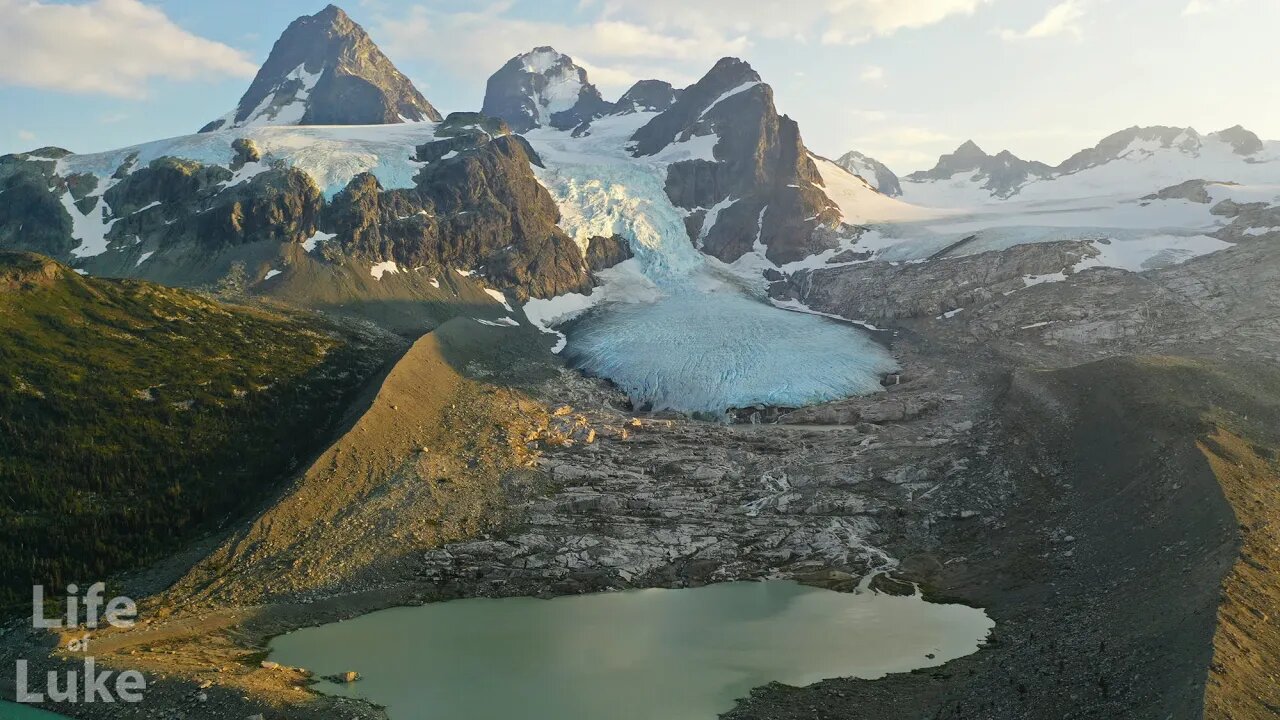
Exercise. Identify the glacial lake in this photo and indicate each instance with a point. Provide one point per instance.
(635, 655)
(14, 711)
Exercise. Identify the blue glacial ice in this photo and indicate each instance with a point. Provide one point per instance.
(678, 330)
(698, 351)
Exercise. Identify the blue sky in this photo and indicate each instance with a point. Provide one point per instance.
(900, 80)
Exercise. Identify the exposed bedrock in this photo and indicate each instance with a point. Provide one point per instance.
(478, 207)
(761, 186)
(475, 206)
(882, 291)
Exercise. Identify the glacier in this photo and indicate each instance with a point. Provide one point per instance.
(673, 328)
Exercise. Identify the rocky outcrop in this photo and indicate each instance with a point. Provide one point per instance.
(1242, 141)
(543, 88)
(1193, 190)
(647, 96)
(605, 252)
(476, 207)
(25, 271)
(761, 186)
(880, 292)
(31, 215)
(876, 173)
(325, 70)
(1002, 174)
(173, 201)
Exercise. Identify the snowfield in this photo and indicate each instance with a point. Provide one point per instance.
(330, 154)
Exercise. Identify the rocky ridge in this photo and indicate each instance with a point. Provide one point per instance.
(760, 188)
(1002, 174)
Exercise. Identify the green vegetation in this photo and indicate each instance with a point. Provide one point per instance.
(134, 417)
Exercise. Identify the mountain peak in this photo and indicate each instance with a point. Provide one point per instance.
(732, 71)
(326, 70)
(876, 173)
(1002, 174)
(542, 87)
(1242, 141)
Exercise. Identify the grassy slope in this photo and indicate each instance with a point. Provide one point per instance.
(133, 416)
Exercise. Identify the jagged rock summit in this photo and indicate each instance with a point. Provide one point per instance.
(543, 88)
(326, 70)
(759, 186)
(1002, 174)
(876, 173)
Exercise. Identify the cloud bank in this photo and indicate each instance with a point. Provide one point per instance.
(108, 47)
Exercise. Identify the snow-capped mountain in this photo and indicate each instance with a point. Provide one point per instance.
(1135, 161)
(543, 88)
(749, 181)
(325, 70)
(876, 173)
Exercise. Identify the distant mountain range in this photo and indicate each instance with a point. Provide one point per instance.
(1132, 159)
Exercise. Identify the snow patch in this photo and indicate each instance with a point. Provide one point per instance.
(500, 322)
(316, 239)
(384, 267)
(728, 94)
(497, 295)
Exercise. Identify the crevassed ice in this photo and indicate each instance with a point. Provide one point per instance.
(705, 341)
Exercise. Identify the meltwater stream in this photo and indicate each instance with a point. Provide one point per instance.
(636, 655)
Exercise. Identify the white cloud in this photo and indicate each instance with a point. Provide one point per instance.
(872, 74)
(111, 47)
(833, 21)
(1062, 19)
(1200, 7)
(26, 135)
(620, 41)
(904, 136)
(615, 53)
(870, 116)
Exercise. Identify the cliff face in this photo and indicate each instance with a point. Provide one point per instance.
(480, 209)
(760, 186)
(31, 216)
